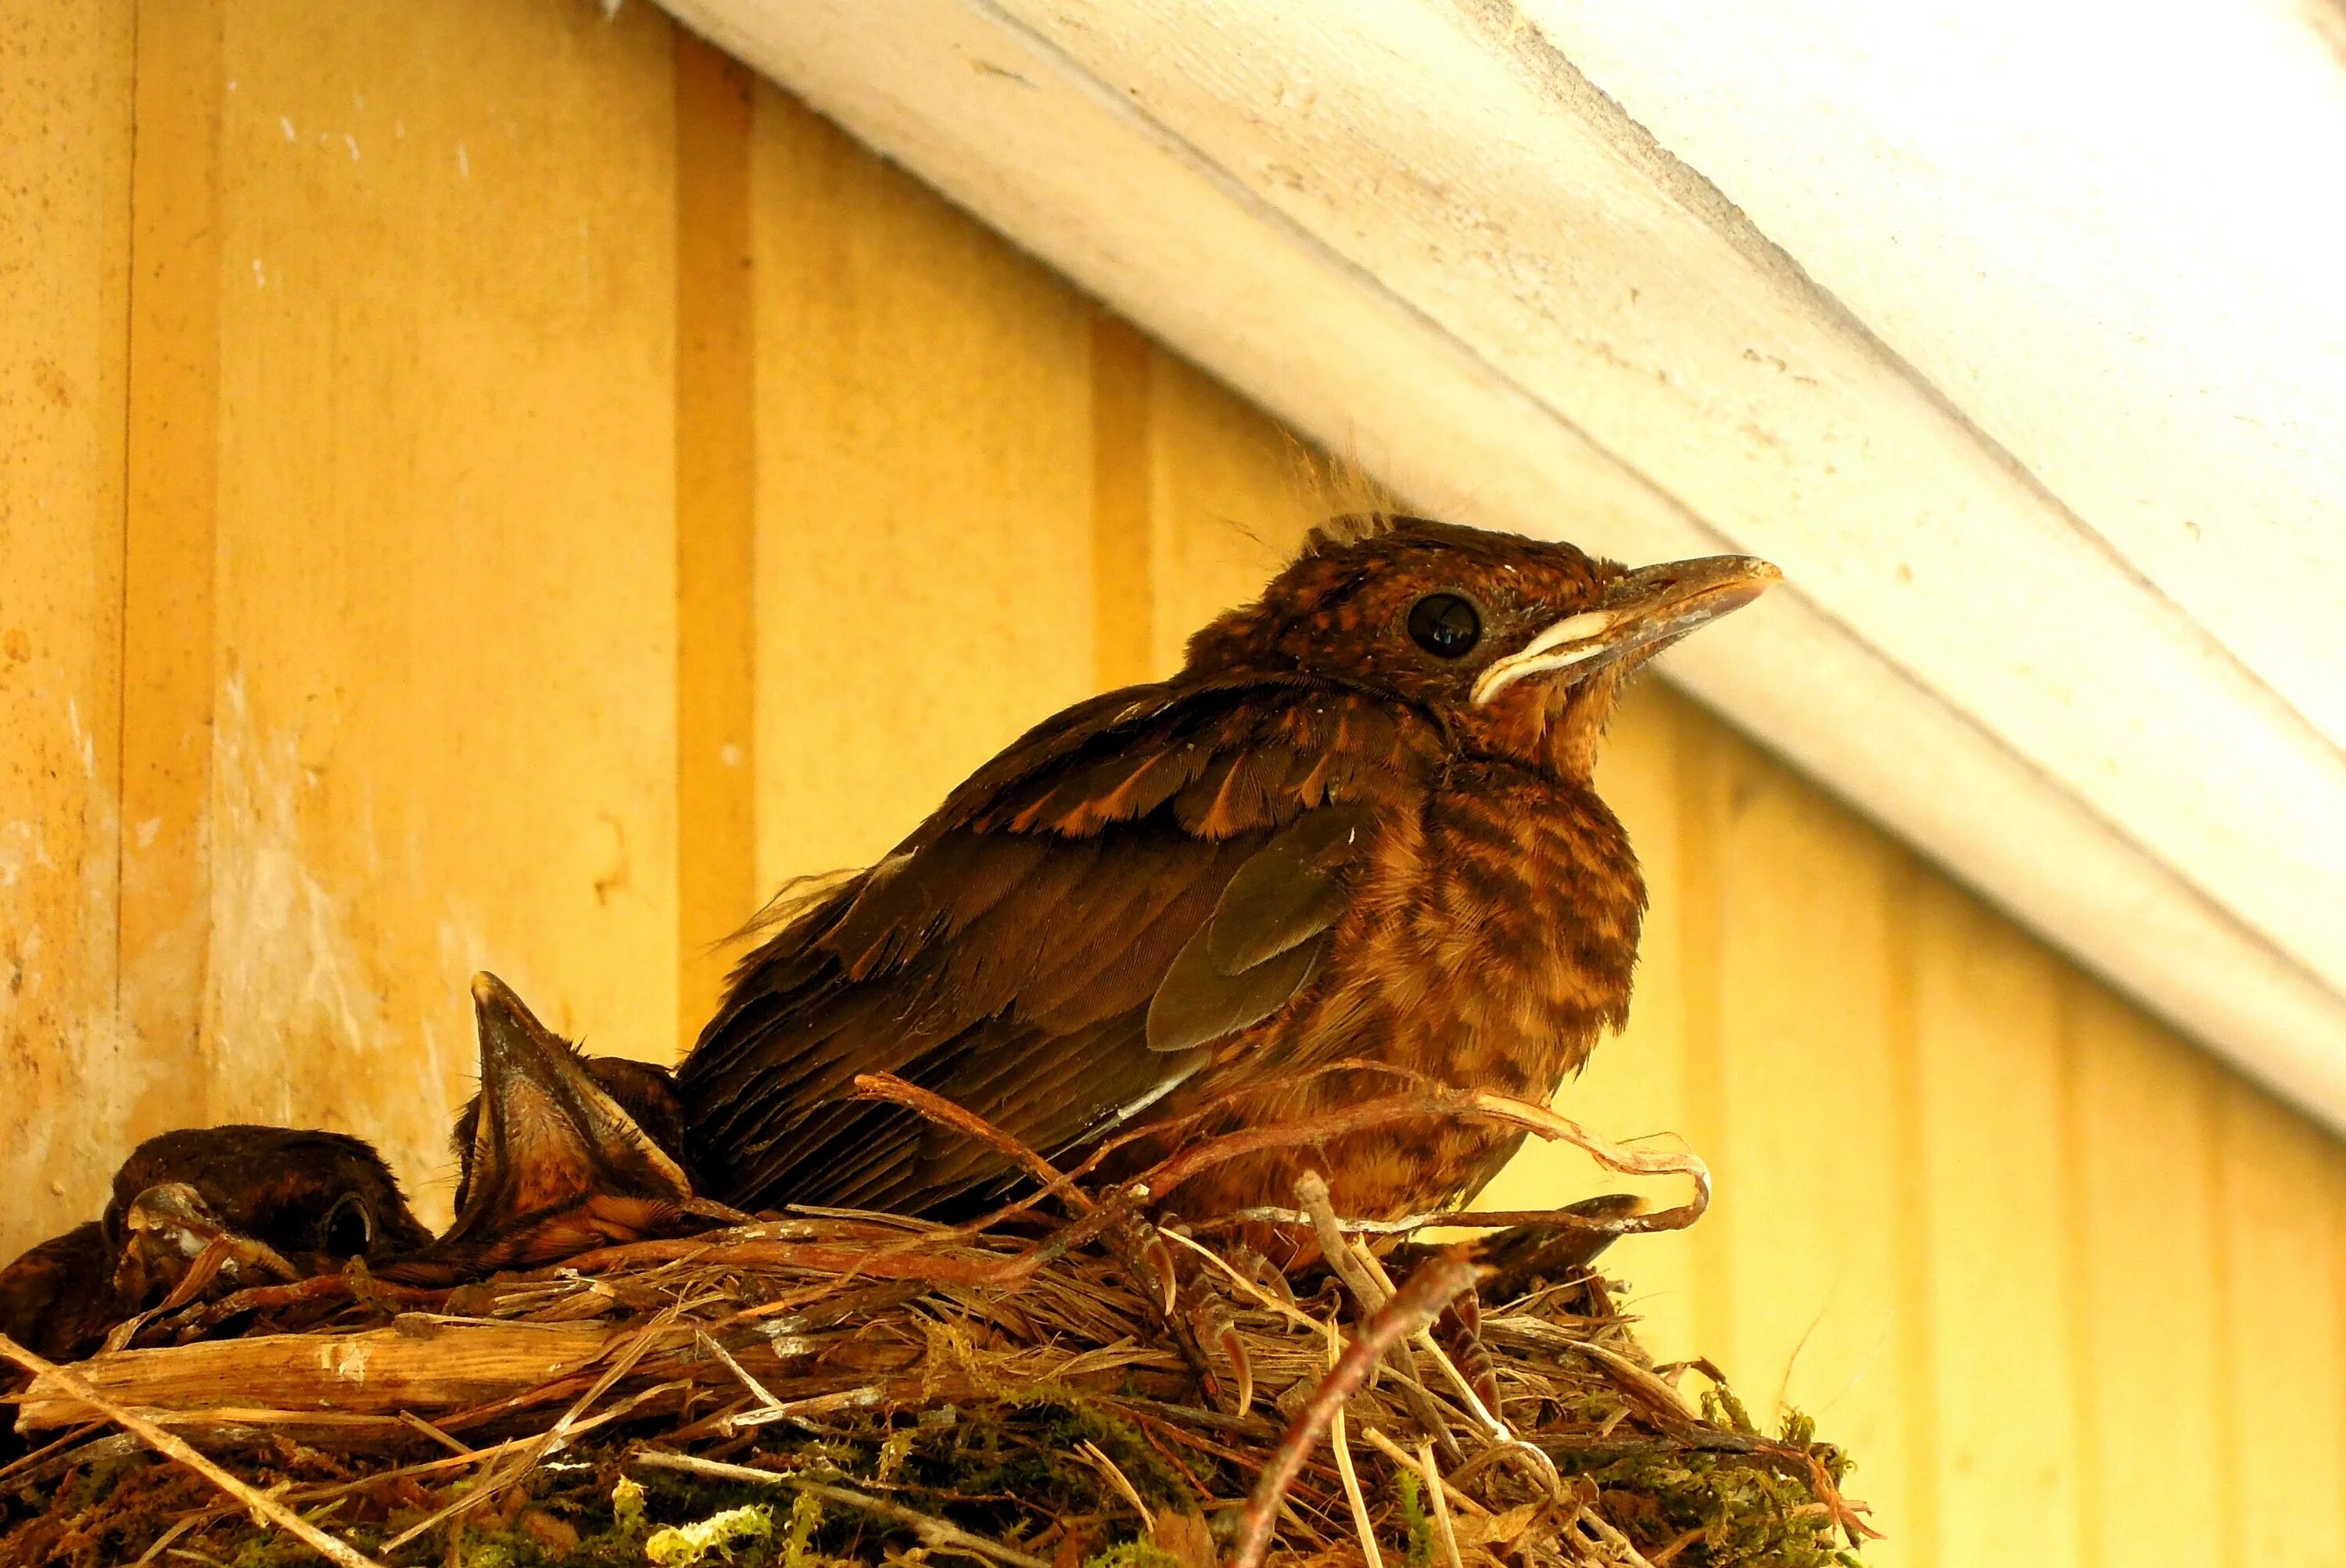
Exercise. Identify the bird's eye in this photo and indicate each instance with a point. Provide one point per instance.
(348, 1228)
(1445, 626)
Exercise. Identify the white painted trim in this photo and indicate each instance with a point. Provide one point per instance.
(1414, 231)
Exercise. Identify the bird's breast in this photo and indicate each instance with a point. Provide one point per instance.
(1493, 939)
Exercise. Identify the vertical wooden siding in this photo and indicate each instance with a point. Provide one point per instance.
(482, 484)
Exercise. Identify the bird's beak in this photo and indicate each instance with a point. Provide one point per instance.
(1642, 610)
(547, 1133)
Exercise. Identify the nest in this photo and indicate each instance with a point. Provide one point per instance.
(1081, 1391)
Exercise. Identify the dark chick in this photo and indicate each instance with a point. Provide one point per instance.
(1358, 824)
(284, 1203)
(558, 1152)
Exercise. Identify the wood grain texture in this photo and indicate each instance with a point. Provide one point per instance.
(2149, 1274)
(446, 608)
(924, 496)
(715, 525)
(2276, 1199)
(65, 1080)
(1806, 1216)
(170, 569)
(445, 570)
(1988, 1026)
(1230, 497)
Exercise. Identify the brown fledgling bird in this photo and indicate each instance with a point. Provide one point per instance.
(291, 1202)
(558, 1152)
(1359, 823)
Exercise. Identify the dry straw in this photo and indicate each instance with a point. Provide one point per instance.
(1057, 1384)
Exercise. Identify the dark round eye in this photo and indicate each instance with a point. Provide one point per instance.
(1445, 626)
(348, 1229)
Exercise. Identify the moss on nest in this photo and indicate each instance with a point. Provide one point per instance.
(831, 1388)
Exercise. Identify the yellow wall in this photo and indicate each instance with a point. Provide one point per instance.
(483, 485)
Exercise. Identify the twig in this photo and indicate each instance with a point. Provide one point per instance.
(1400, 1456)
(1340, 1447)
(738, 1370)
(935, 1533)
(1619, 1543)
(1439, 1494)
(1464, 1218)
(409, 1418)
(163, 1542)
(1420, 1301)
(1097, 1457)
(1372, 1287)
(9, 1472)
(550, 1441)
(889, 1087)
(1472, 1105)
(176, 1448)
(1311, 1192)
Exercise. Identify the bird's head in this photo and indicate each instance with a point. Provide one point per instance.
(560, 1150)
(1520, 645)
(317, 1198)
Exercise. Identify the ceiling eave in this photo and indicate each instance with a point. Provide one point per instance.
(1519, 311)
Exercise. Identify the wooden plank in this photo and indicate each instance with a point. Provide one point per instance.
(2282, 1321)
(169, 656)
(1587, 292)
(1634, 1087)
(2147, 1277)
(1806, 1098)
(65, 198)
(924, 496)
(447, 596)
(1232, 494)
(1124, 607)
(716, 507)
(1989, 1048)
(1701, 749)
(453, 1366)
(1914, 1333)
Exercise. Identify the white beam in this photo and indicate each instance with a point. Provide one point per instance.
(1414, 230)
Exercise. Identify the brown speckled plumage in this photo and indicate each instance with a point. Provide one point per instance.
(1335, 834)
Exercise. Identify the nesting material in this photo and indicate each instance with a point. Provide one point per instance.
(836, 1386)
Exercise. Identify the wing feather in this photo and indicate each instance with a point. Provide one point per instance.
(1131, 882)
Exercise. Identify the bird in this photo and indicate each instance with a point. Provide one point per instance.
(558, 1152)
(1360, 824)
(305, 1201)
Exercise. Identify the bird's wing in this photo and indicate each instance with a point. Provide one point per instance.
(1062, 943)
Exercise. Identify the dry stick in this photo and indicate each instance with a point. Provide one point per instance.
(1611, 1537)
(409, 1418)
(32, 1460)
(1162, 1178)
(1341, 1446)
(165, 1539)
(738, 1370)
(935, 1533)
(1439, 1494)
(552, 1441)
(1429, 1290)
(937, 1108)
(173, 1447)
(1435, 1098)
(1311, 1192)
(1466, 1218)
(1435, 1478)
(325, 1491)
(1371, 1289)
(1097, 1457)
(1472, 1105)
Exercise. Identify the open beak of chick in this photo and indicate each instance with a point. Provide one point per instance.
(1643, 611)
(547, 1136)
